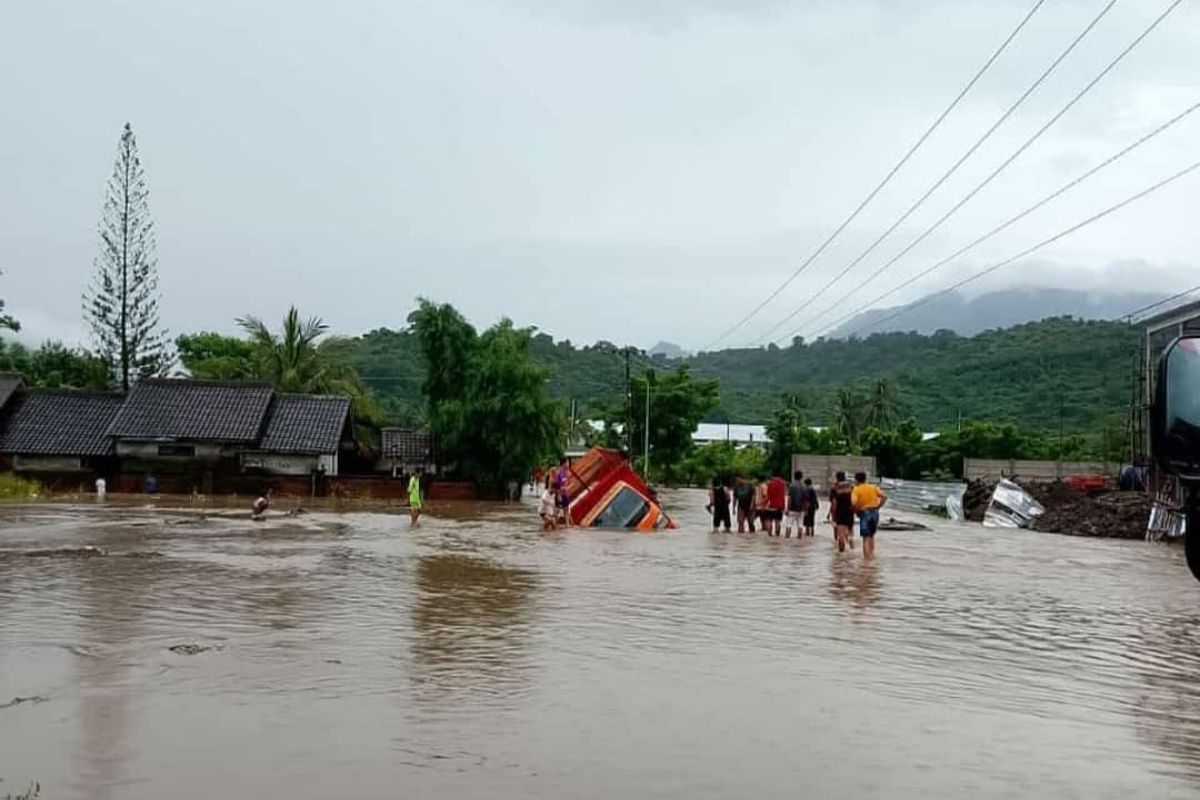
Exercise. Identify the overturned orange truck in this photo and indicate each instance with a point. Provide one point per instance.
(606, 493)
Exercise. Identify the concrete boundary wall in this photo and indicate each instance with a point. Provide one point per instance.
(822, 468)
(993, 469)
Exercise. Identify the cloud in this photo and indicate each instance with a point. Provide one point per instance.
(624, 170)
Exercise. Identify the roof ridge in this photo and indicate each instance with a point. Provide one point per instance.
(226, 383)
(66, 391)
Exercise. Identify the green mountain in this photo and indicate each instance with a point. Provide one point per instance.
(1058, 372)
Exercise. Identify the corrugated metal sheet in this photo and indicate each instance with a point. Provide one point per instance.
(920, 495)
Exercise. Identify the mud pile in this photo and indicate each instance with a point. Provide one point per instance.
(1108, 514)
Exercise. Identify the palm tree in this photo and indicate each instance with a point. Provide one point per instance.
(882, 409)
(847, 414)
(290, 361)
(293, 361)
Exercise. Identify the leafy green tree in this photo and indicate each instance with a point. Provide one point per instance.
(848, 415)
(487, 400)
(789, 433)
(722, 460)
(507, 422)
(448, 343)
(677, 404)
(293, 360)
(54, 366)
(896, 450)
(122, 303)
(6, 321)
(213, 356)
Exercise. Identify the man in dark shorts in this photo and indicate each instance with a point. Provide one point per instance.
(841, 511)
(777, 491)
(718, 505)
(743, 495)
(810, 511)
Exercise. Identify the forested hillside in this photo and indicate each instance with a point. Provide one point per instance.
(1041, 375)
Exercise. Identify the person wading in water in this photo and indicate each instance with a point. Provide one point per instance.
(718, 505)
(762, 504)
(810, 511)
(259, 510)
(797, 501)
(414, 498)
(841, 511)
(867, 499)
(743, 495)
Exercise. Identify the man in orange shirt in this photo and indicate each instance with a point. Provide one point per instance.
(867, 499)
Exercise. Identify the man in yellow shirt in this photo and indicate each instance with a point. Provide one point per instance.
(867, 499)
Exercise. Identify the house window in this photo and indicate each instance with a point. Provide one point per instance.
(177, 450)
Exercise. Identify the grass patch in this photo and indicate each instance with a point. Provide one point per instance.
(16, 488)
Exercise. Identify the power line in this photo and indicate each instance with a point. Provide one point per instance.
(1013, 220)
(1004, 165)
(1137, 311)
(886, 179)
(1037, 135)
(1030, 250)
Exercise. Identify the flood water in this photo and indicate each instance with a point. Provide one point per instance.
(479, 658)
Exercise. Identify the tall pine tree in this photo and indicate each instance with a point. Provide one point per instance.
(122, 303)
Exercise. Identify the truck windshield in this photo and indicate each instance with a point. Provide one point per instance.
(1183, 403)
(625, 510)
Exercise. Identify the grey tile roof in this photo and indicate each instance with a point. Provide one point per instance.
(407, 444)
(216, 411)
(58, 422)
(298, 423)
(9, 383)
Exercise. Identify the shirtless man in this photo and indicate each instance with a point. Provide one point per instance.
(258, 511)
(841, 511)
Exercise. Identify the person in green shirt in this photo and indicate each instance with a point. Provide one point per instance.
(414, 498)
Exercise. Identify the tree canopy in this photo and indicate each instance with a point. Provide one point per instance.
(1040, 375)
(486, 400)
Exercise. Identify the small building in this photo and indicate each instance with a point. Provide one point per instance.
(403, 450)
(304, 434)
(58, 430)
(736, 434)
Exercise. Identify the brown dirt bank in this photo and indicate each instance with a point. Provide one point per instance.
(1106, 514)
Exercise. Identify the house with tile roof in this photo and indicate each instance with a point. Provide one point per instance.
(402, 450)
(172, 418)
(303, 434)
(189, 434)
(58, 430)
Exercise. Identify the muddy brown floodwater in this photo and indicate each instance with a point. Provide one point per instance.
(155, 653)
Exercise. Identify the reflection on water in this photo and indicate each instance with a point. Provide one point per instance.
(854, 580)
(342, 653)
(1167, 711)
(110, 613)
(471, 624)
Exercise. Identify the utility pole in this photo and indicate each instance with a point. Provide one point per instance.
(628, 406)
(647, 430)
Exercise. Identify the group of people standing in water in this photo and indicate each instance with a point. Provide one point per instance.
(770, 501)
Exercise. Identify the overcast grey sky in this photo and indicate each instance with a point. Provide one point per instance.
(631, 170)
